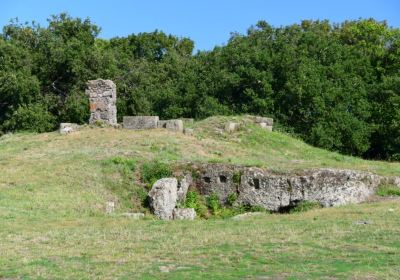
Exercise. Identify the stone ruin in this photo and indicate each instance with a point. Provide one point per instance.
(102, 97)
(151, 122)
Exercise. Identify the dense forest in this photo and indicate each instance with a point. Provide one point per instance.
(336, 86)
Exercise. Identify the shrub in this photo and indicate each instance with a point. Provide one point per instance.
(195, 201)
(388, 190)
(232, 197)
(304, 206)
(153, 171)
(236, 177)
(213, 203)
(32, 117)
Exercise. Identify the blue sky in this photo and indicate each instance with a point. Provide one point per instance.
(207, 22)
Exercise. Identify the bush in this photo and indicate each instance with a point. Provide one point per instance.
(213, 203)
(304, 206)
(32, 117)
(153, 171)
(195, 201)
(388, 190)
(232, 197)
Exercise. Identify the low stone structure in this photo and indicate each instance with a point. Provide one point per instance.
(133, 216)
(102, 97)
(163, 198)
(265, 126)
(273, 191)
(67, 128)
(173, 125)
(231, 127)
(188, 131)
(140, 122)
(267, 121)
(329, 187)
(184, 214)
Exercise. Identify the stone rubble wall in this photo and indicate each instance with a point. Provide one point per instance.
(102, 98)
(273, 191)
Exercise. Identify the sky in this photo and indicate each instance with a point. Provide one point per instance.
(207, 22)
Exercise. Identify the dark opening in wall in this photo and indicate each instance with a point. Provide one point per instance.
(222, 179)
(256, 183)
(207, 179)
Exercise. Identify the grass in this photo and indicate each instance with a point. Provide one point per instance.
(388, 190)
(54, 188)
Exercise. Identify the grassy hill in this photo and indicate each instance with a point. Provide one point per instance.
(53, 190)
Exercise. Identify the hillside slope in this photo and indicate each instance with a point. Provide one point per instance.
(53, 189)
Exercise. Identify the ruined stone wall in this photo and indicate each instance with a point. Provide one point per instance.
(273, 191)
(102, 97)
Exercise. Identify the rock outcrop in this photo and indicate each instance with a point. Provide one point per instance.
(102, 97)
(273, 191)
(163, 198)
(184, 214)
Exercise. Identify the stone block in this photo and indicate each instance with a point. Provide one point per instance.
(267, 121)
(231, 127)
(140, 122)
(266, 126)
(188, 131)
(163, 197)
(66, 128)
(184, 214)
(173, 125)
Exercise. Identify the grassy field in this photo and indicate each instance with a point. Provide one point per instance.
(53, 190)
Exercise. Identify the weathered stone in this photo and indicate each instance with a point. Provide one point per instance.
(133, 216)
(66, 128)
(163, 197)
(275, 191)
(330, 187)
(140, 122)
(266, 126)
(110, 207)
(231, 127)
(173, 125)
(184, 214)
(221, 180)
(188, 131)
(268, 121)
(102, 98)
(183, 187)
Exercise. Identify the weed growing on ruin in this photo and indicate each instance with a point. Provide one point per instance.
(196, 201)
(304, 206)
(388, 190)
(153, 171)
(232, 197)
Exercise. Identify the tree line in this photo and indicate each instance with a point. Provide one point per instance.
(337, 86)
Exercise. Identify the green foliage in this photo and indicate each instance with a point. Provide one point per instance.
(388, 190)
(33, 118)
(196, 201)
(126, 165)
(153, 171)
(334, 85)
(232, 197)
(213, 203)
(237, 177)
(304, 206)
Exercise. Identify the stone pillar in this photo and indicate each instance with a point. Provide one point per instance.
(102, 97)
